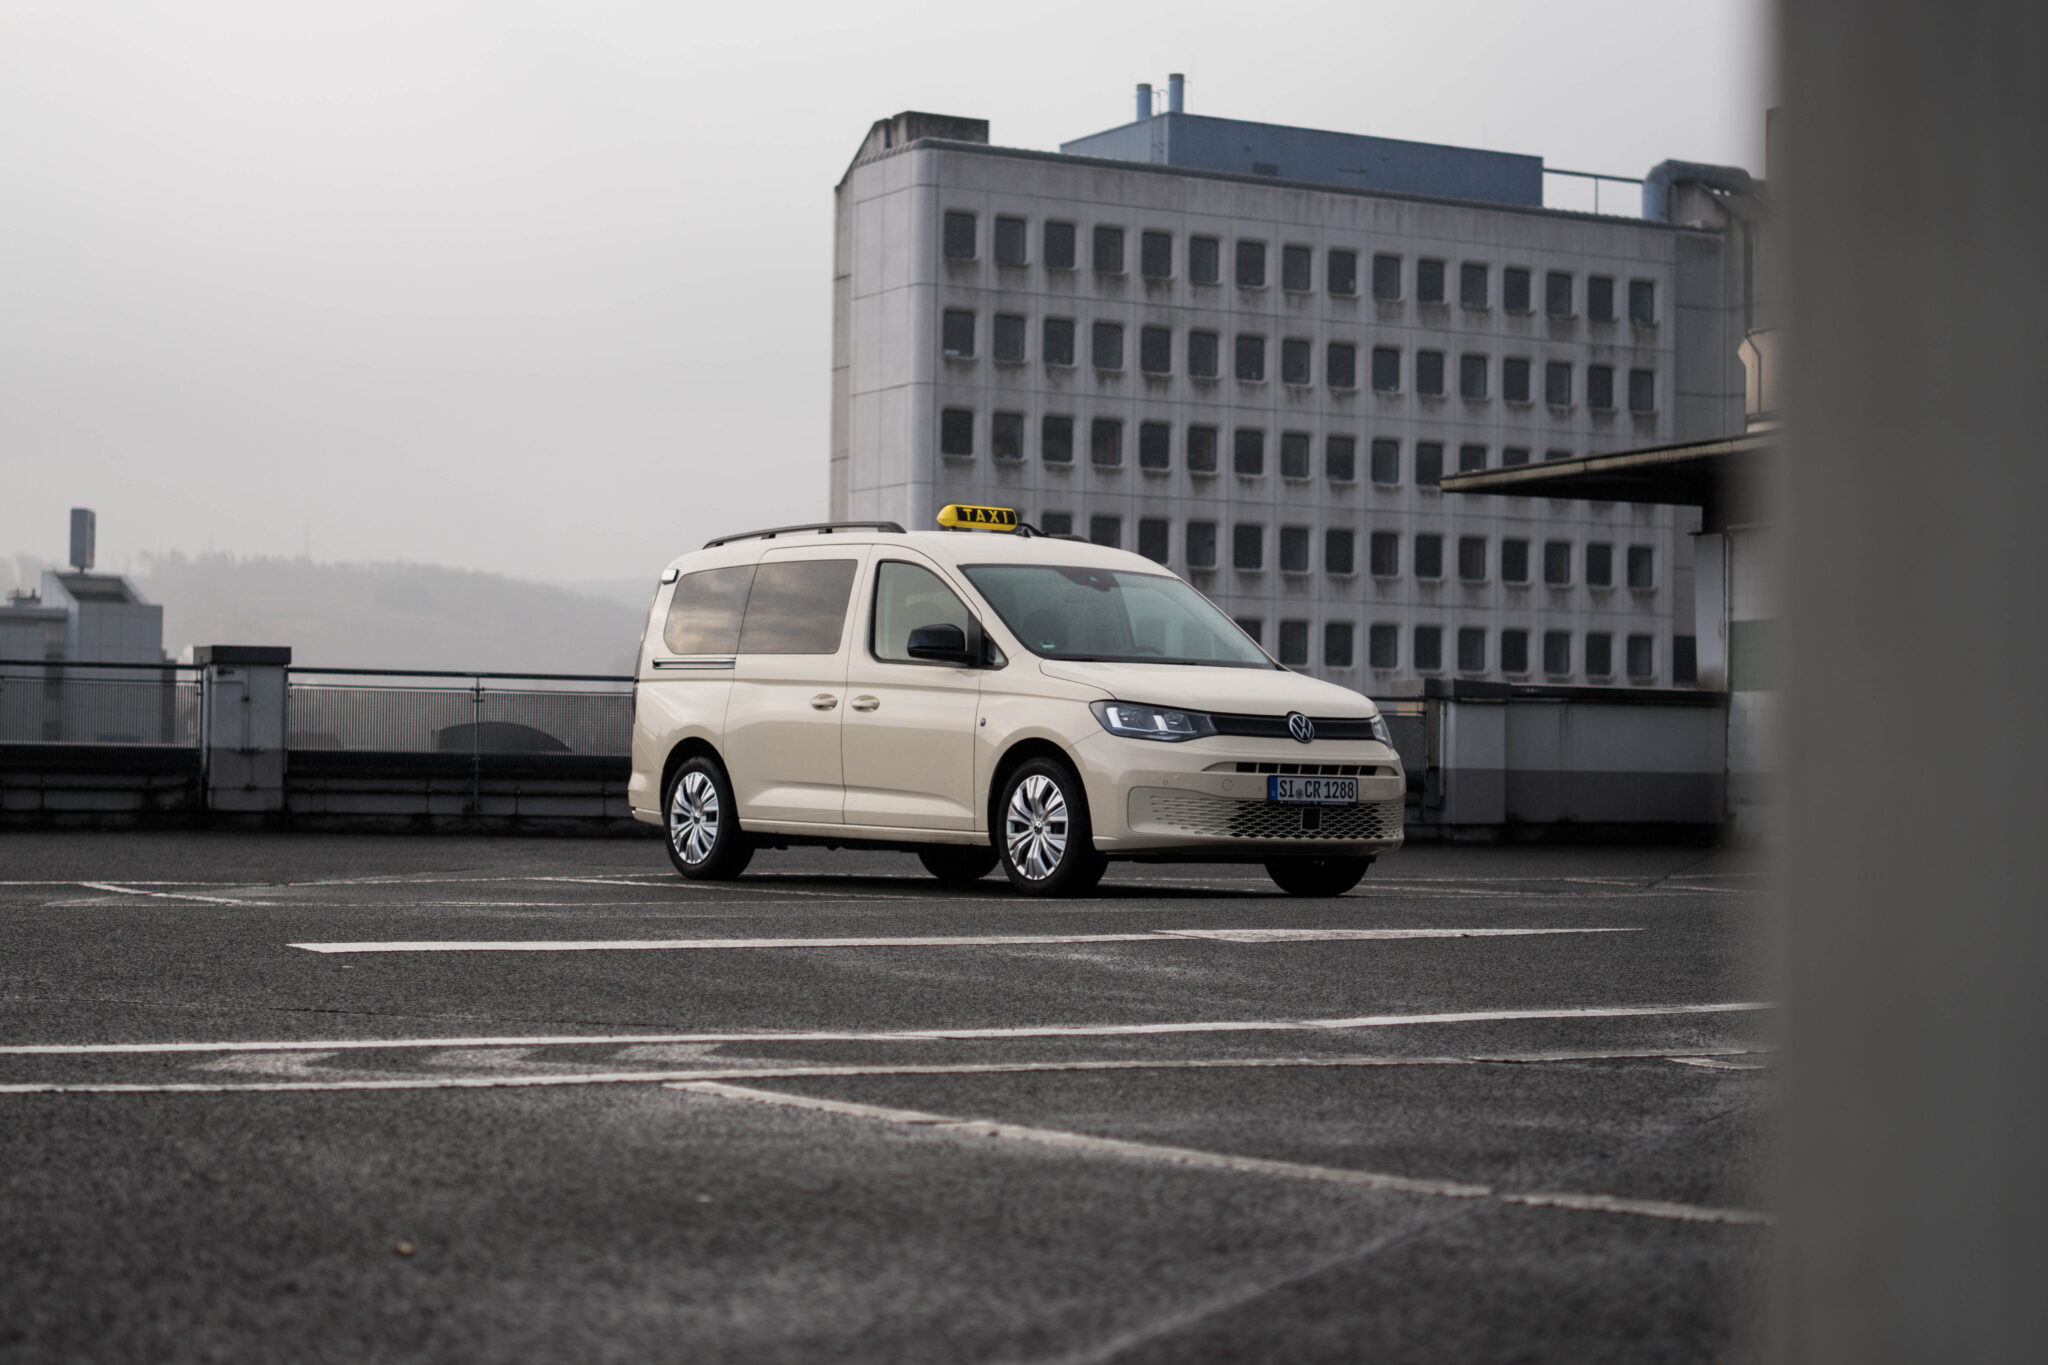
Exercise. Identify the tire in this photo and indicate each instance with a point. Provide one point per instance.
(1044, 836)
(705, 841)
(958, 864)
(1317, 876)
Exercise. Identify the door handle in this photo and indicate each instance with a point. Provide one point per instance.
(824, 701)
(864, 702)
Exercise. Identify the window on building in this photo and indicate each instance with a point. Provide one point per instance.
(1058, 341)
(1599, 654)
(1059, 246)
(1514, 651)
(1006, 436)
(1429, 556)
(1685, 660)
(1202, 354)
(1472, 284)
(1248, 547)
(1342, 269)
(1338, 555)
(1251, 265)
(1056, 523)
(1428, 649)
(1383, 647)
(1341, 365)
(1514, 455)
(1010, 241)
(1384, 551)
(1294, 549)
(1336, 644)
(1514, 290)
(1642, 661)
(1340, 459)
(1106, 443)
(1254, 627)
(1154, 536)
(1297, 269)
(1386, 369)
(1155, 350)
(1201, 450)
(1109, 250)
(1294, 461)
(1472, 559)
(1514, 561)
(1386, 461)
(1200, 540)
(1429, 464)
(956, 431)
(1106, 531)
(1248, 452)
(1155, 445)
(1429, 373)
(1557, 653)
(1642, 391)
(1471, 649)
(1599, 565)
(956, 334)
(1008, 338)
(1549, 455)
(1600, 298)
(1429, 280)
(1557, 383)
(1251, 357)
(1557, 563)
(1294, 644)
(1155, 255)
(1471, 457)
(1600, 388)
(1642, 302)
(959, 236)
(1205, 260)
(1106, 345)
(1295, 360)
(1471, 375)
(1056, 440)
(1514, 379)
(1557, 294)
(1386, 277)
(1642, 567)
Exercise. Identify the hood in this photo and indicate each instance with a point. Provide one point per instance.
(1242, 691)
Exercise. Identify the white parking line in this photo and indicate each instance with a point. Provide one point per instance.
(1220, 1161)
(927, 941)
(891, 1035)
(164, 895)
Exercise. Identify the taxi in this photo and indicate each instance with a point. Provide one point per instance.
(987, 694)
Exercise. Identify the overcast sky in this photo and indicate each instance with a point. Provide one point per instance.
(544, 288)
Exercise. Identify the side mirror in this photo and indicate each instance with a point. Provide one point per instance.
(946, 644)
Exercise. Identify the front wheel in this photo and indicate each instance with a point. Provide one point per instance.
(1317, 876)
(1046, 845)
(704, 837)
(958, 864)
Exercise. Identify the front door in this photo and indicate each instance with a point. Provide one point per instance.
(908, 736)
(789, 685)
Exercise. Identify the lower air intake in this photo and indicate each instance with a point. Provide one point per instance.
(1219, 817)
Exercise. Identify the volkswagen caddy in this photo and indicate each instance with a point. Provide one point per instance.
(989, 694)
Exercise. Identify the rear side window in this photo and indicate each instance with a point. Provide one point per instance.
(907, 597)
(704, 615)
(798, 606)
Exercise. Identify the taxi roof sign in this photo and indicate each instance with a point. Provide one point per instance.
(962, 517)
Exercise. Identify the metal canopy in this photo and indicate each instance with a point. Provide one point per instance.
(1713, 475)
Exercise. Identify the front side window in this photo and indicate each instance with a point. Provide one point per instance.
(907, 597)
(1059, 246)
(1109, 250)
(1251, 265)
(797, 606)
(1107, 350)
(1061, 612)
(1205, 260)
(704, 614)
(959, 235)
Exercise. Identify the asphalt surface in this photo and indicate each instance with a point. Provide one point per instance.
(1143, 1127)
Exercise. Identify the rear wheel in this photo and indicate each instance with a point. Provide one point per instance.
(958, 864)
(1317, 876)
(704, 837)
(1047, 848)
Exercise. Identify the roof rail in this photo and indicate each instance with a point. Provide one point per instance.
(825, 528)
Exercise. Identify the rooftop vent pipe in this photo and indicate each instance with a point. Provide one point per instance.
(1144, 100)
(1176, 89)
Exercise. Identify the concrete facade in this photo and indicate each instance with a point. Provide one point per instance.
(894, 383)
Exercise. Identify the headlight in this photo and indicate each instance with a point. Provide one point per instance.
(1380, 731)
(1150, 722)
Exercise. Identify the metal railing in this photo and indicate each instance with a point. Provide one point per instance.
(401, 711)
(59, 702)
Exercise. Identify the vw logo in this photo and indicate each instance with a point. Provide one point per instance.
(1300, 726)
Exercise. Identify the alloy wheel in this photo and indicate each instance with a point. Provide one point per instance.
(1035, 827)
(693, 817)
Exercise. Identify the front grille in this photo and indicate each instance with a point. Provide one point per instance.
(1301, 769)
(1220, 817)
(1275, 727)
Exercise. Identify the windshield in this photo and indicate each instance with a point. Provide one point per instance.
(1105, 614)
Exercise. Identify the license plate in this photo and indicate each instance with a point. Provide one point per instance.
(1312, 791)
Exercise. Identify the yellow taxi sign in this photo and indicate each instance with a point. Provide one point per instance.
(961, 517)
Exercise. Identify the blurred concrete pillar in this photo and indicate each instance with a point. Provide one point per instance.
(1917, 562)
(243, 727)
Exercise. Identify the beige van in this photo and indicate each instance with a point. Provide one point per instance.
(985, 696)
